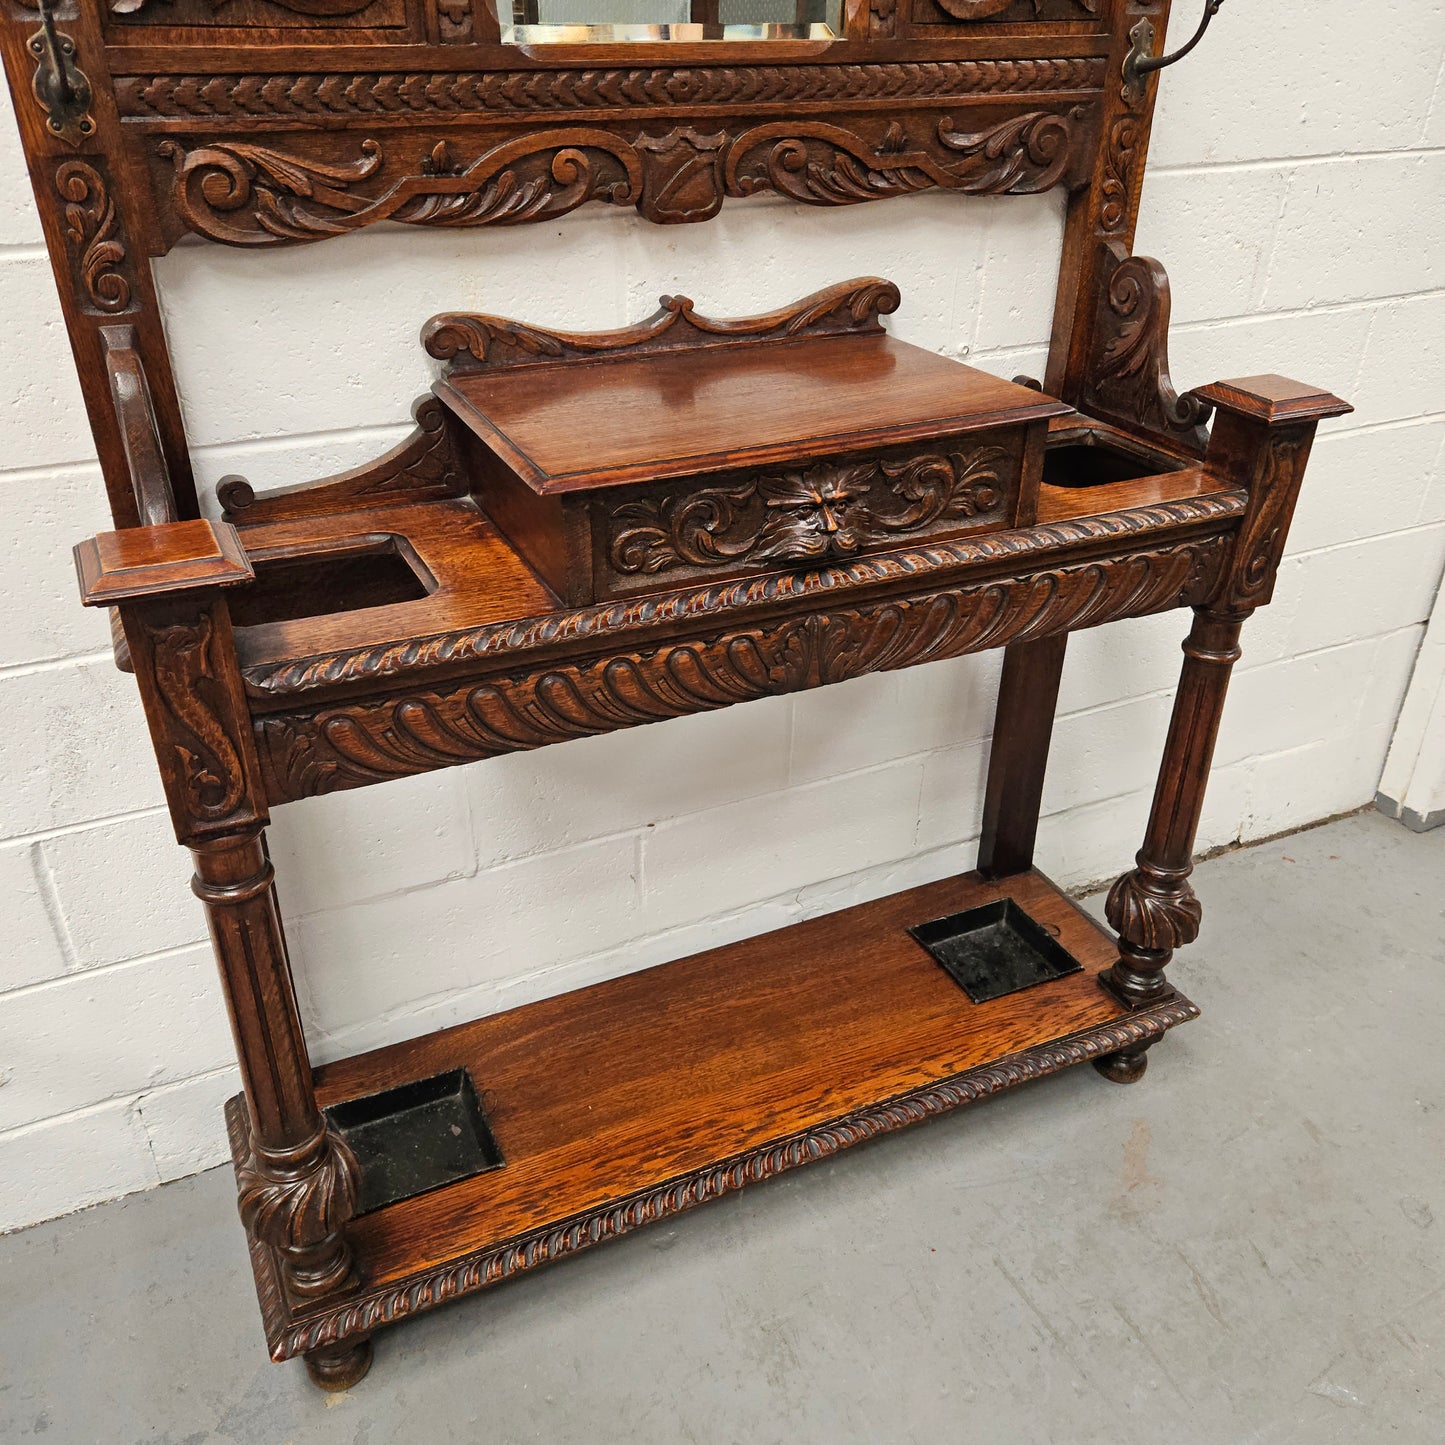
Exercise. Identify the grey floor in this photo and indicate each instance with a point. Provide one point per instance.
(1244, 1247)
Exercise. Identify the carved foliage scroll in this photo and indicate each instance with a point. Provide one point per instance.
(1129, 373)
(92, 232)
(820, 513)
(248, 194)
(350, 745)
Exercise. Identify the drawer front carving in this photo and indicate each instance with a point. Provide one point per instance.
(806, 514)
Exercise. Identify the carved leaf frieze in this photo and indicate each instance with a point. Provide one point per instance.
(246, 194)
(423, 93)
(820, 513)
(615, 621)
(350, 745)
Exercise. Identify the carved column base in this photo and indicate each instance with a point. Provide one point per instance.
(339, 1367)
(1154, 911)
(297, 1201)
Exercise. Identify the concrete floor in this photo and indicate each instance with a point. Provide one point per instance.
(1244, 1247)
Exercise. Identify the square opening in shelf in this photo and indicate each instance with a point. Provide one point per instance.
(1090, 459)
(417, 1137)
(995, 950)
(344, 576)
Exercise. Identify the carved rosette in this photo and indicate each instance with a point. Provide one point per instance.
(830, 510)
(1153, 910)
(246, 194)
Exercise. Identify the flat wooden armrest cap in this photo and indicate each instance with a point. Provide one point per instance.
(1274, 400)
(147, 562)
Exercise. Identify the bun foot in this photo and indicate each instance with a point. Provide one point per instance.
(1124, 1068)
(339, 1367)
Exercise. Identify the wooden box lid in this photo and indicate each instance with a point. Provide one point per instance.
(625, 416)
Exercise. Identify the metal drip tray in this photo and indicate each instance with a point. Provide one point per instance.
(416, 1137)
(994, 950)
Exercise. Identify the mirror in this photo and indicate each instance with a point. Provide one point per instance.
(600, 22)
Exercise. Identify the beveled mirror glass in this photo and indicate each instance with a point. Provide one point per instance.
(582, 22)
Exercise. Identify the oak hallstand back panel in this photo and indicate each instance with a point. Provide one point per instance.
(588, 531)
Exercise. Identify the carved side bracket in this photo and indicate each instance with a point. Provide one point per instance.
(1128, 377)
(421, 468)
(470, 341)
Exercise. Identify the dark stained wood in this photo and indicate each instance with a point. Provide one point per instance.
(1023, 725)
(588, 532)
(610, 1110)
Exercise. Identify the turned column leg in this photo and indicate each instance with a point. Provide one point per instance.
(298, 1183)
(1152, 908)
(1023, 726)
(299, 1186)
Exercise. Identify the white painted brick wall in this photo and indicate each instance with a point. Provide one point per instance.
(1299, 203)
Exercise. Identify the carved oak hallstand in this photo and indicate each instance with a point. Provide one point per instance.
(587, 532)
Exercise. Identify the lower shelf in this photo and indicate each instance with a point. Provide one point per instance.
(635, 1099)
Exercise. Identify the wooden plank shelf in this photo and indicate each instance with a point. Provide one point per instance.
(626, 1102)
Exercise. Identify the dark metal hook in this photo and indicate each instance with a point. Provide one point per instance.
(1141, 60)
(59, 84)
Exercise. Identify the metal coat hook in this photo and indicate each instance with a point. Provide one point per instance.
(1141, 60)
(59, 84)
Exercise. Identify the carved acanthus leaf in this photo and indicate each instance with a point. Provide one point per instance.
(249, 195)
(1129, 377)
(468, 339)
(613, 623)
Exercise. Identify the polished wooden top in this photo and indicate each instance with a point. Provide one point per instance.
(574, 427)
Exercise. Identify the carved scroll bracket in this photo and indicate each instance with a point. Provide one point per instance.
(1128, 379)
